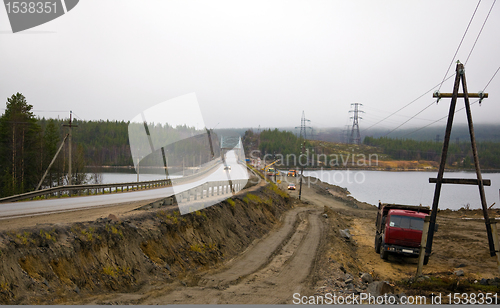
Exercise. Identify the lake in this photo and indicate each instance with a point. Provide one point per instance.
(124, 175)
(410, 187)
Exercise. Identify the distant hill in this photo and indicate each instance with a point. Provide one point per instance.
(483, 132)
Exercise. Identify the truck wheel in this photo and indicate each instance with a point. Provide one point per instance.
(377, 244)
(426, 260)
(383, 254)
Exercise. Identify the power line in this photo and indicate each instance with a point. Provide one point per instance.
(458, 48)
(452, 60)
(498, 69)
(76, 116)
(399, 115)
(451, 63)
(411, 117)
(491, 79)
(437, 120)
(480, 32)
(37, 110)
(409, 103)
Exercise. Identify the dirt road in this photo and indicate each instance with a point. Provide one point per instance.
(268, 272)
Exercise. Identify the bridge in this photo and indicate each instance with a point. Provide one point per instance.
(232, 143)
(213, 181)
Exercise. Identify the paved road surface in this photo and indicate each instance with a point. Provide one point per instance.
(14, 209)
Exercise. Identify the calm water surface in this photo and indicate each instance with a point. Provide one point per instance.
(410, 187)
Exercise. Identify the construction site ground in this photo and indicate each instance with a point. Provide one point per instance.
(304, 252)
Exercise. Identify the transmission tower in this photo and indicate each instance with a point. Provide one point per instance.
(346, 132)
(355, 136)
(303, 127)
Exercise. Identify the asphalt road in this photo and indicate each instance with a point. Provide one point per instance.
(24, 208)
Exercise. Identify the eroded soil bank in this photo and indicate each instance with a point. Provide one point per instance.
(64, 263)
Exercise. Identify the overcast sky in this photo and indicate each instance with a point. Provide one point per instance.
(254, 63)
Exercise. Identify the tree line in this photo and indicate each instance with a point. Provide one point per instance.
(28, 144)
(271, 142)
(459, 153)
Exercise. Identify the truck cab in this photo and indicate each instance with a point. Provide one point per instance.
(399, 230)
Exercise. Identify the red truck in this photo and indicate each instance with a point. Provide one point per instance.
(399, 229)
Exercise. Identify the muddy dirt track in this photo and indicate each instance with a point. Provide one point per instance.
(267, 273)
(305, 253)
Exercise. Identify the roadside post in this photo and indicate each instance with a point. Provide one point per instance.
(493, 224)
(275, 170)
(423, 242)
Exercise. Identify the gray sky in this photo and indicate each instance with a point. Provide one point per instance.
(253, 63)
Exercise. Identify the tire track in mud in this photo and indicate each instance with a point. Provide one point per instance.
(256, 256)
(268, 272)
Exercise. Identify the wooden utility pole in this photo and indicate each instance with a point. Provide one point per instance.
(460, 78)
(493, 224)
(423, 242)
(70, 125)
(51, 163)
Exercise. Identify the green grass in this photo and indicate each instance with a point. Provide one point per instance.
(274, 188)
(196, 248)
(201, 213)
(24, 238)
(88, 235)
(4, 286)
(174, 218)
(114, 230)
(48, 235)
(115, 271)
(254, 198)
(201, 248)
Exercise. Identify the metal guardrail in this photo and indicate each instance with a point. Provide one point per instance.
(210, 189)
(71, 189)
(214, 191)
(86, 189)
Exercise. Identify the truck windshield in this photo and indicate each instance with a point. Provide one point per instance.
(407, 222)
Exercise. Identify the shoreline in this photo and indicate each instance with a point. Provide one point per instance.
(342, 168)
(345, 195)
(400, 170)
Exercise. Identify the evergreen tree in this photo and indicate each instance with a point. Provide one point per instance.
(20, 147)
